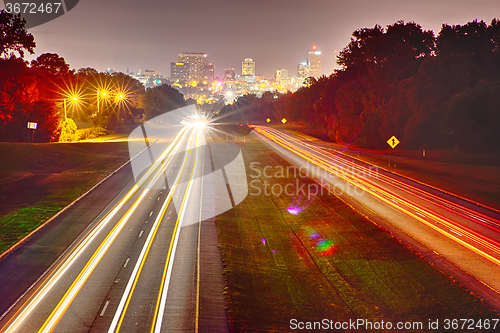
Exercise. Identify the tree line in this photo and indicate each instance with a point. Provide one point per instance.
(48, 92)
(429, 91)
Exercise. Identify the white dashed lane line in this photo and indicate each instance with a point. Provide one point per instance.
(104, 308)
(126, 262)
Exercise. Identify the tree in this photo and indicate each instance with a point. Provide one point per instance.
(390, 54)
(472, 117)
(161, 99)
(51, 64)
(21, 101)
(14, 38)
(68, 131)
(88, 71)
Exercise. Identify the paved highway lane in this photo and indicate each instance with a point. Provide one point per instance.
(467, 236)
(138, 268)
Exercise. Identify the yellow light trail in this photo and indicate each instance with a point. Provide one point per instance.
(17, 320)
(404, 187)
(356, 181)
(462, 211)
(78, 283)
(129, 290)
(162, 295)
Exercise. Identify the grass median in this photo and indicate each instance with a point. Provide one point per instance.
(327, 261)
(38, 180)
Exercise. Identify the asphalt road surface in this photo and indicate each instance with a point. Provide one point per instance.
(465, 235)
(144, 264)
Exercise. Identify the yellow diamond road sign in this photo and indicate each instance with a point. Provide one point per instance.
(268, 120)
(393, 141)
(283, 120)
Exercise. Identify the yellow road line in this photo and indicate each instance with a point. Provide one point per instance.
(171, 246)
(107, 242)
(136, 278)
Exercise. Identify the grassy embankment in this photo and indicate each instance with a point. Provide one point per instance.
(326, 262)
(472, 175)
(38, 180)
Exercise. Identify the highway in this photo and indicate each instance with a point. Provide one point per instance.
(465, 234)
(137, 268)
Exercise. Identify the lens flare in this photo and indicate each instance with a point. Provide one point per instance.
(294, 210)
(200, 124)
(326, 247)
(298, 205)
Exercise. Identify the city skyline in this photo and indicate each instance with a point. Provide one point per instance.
(197, 66)
(157, 33)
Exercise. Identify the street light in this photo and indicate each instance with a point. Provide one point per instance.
(99, 94)
(74, 98)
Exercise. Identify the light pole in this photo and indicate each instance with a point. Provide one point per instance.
(98, 95)
(65, 112)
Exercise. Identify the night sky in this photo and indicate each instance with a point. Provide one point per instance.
(148, 34)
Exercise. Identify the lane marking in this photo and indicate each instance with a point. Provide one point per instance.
(126, 262)
(78, 283)
(150, 213)
(34, 300)
(198, 251)
(162, 297)
(141, 233)
(104, 309)
(130, 288)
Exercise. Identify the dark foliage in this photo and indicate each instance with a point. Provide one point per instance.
(161, 99)
(21, 102)
(431, 92)
(14, 38)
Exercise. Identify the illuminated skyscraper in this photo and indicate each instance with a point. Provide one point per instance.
(315, 63)
(191, 66)
(248, 67)
(209, 71)
(179, 70)
(303, 69)
(281, 74)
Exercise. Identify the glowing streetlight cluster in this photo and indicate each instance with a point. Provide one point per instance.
(103, 94)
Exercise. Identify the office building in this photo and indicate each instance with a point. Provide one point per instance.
(179, 70)
(209, 72)
(190, 66)
(248, 67)
(303, 69)
(281, 74)
(151, 73)
(315, 63)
